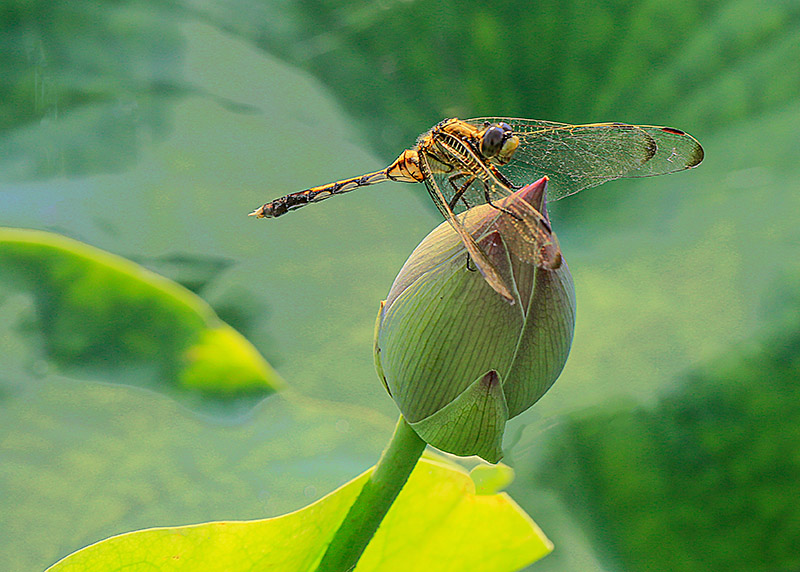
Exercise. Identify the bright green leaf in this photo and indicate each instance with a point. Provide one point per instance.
(95, 308)
(407, 540)
(490, 479)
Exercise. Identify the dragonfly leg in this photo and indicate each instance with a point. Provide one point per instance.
(494, 206)
(470, 266)
(459, 191)
(502, 178)
(459, 194)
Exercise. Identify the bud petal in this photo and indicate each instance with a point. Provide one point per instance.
(473, 423)
(545, 340)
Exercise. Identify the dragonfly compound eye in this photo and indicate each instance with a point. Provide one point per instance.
(492, 141)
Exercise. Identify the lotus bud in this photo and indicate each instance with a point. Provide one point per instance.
(460, 360)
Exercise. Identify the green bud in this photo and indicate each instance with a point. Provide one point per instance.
(456, 357)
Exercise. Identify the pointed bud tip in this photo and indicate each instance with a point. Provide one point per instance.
(534, 194)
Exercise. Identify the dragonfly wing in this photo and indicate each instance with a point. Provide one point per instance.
(576, 157)
(677, 151)
(489, 271)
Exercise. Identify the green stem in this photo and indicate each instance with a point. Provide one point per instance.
(374, 501)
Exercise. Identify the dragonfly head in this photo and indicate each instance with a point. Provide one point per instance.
(498, 142)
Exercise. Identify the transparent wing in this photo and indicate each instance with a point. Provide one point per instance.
(576, 157)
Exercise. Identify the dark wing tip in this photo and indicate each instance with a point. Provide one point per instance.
(652, 149)
(696, 154)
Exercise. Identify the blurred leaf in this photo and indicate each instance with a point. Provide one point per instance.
(96, 309)
(435, 493)
(711, 469)
(93, 76)
(193, 272)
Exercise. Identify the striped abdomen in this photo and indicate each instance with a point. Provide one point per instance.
(403, 169)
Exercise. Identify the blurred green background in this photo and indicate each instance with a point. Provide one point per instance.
(151, 128)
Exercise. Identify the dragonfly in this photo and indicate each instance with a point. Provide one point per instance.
(468, 162)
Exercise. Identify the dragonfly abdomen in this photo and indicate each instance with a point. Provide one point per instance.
(315, 194)
(404, 169)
